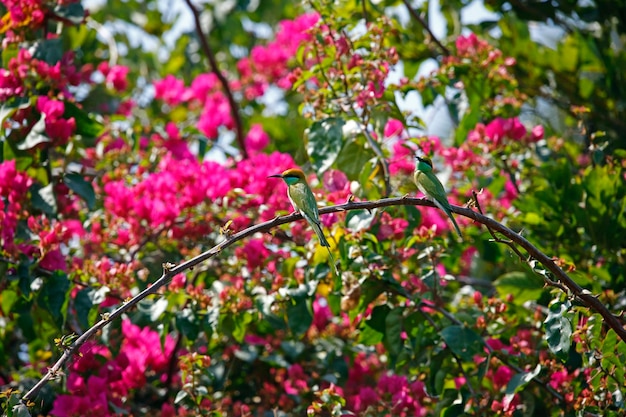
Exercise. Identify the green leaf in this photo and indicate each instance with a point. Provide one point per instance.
(82, 305)
(358, 220)
(236, 324)
(325, 139)
(518, 382)
(74, 12)
(49, 50)
(524, 286)
(10, 106)
(53, 296)
(353, 158)
(558, 329)
(86, 126)
(369, 336)
(180, 396)
(463, 341)
(43, 199)
(393, 331)
(9, 297)
(36, 136)
(80, 186)
(370, 290)
(187, 324)
(437, 375)
(299, 315)
(9, 53)
(378, 318)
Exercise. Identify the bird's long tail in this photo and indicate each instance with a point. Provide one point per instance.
(446, 209)
(317, 227)
(456, 226)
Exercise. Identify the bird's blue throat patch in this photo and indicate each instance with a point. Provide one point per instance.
(291, 180)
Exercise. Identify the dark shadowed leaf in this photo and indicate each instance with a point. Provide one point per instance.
(84, 189)
(393, 331)
(53, 296)
(86, 126)
(299, 315)
(463, 341)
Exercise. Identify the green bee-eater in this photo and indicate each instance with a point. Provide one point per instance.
(303, 202)
(429, 184)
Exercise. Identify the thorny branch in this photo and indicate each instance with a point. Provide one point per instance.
(170, 270)
(234, 108)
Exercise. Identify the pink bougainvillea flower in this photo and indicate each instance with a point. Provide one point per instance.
(393, 128)
(170, 89)
(256, 140)
(117, 77)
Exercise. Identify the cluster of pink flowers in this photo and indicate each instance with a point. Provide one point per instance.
(266, 65)
(97, 379)
(167, 198)
(57, 128)
(368, 387)
(470, 45)
(24, 73)
(51, 236)
(21, 15)
(269, 64)
(116, 76)
(13, 193)
(203, 93)
(497, 133)
(45, 247)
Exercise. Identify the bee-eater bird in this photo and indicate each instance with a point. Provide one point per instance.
(429, 184)
(303, 202)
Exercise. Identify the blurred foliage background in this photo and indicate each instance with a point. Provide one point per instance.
(521, 101)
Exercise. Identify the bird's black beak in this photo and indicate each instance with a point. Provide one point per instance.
(275, 176)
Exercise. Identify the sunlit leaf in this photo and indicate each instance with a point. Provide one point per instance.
(558, 329)
(325, 139)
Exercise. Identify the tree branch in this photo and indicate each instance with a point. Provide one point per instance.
(419, 18)
(234, 108)
(170, 270)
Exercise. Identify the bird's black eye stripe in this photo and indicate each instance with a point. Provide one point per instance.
(291, 176)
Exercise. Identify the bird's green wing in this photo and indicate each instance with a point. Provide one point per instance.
(304, 199)
(430, 185)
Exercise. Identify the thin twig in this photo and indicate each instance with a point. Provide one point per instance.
(170, 270)
(234, 108)
(419, 18)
